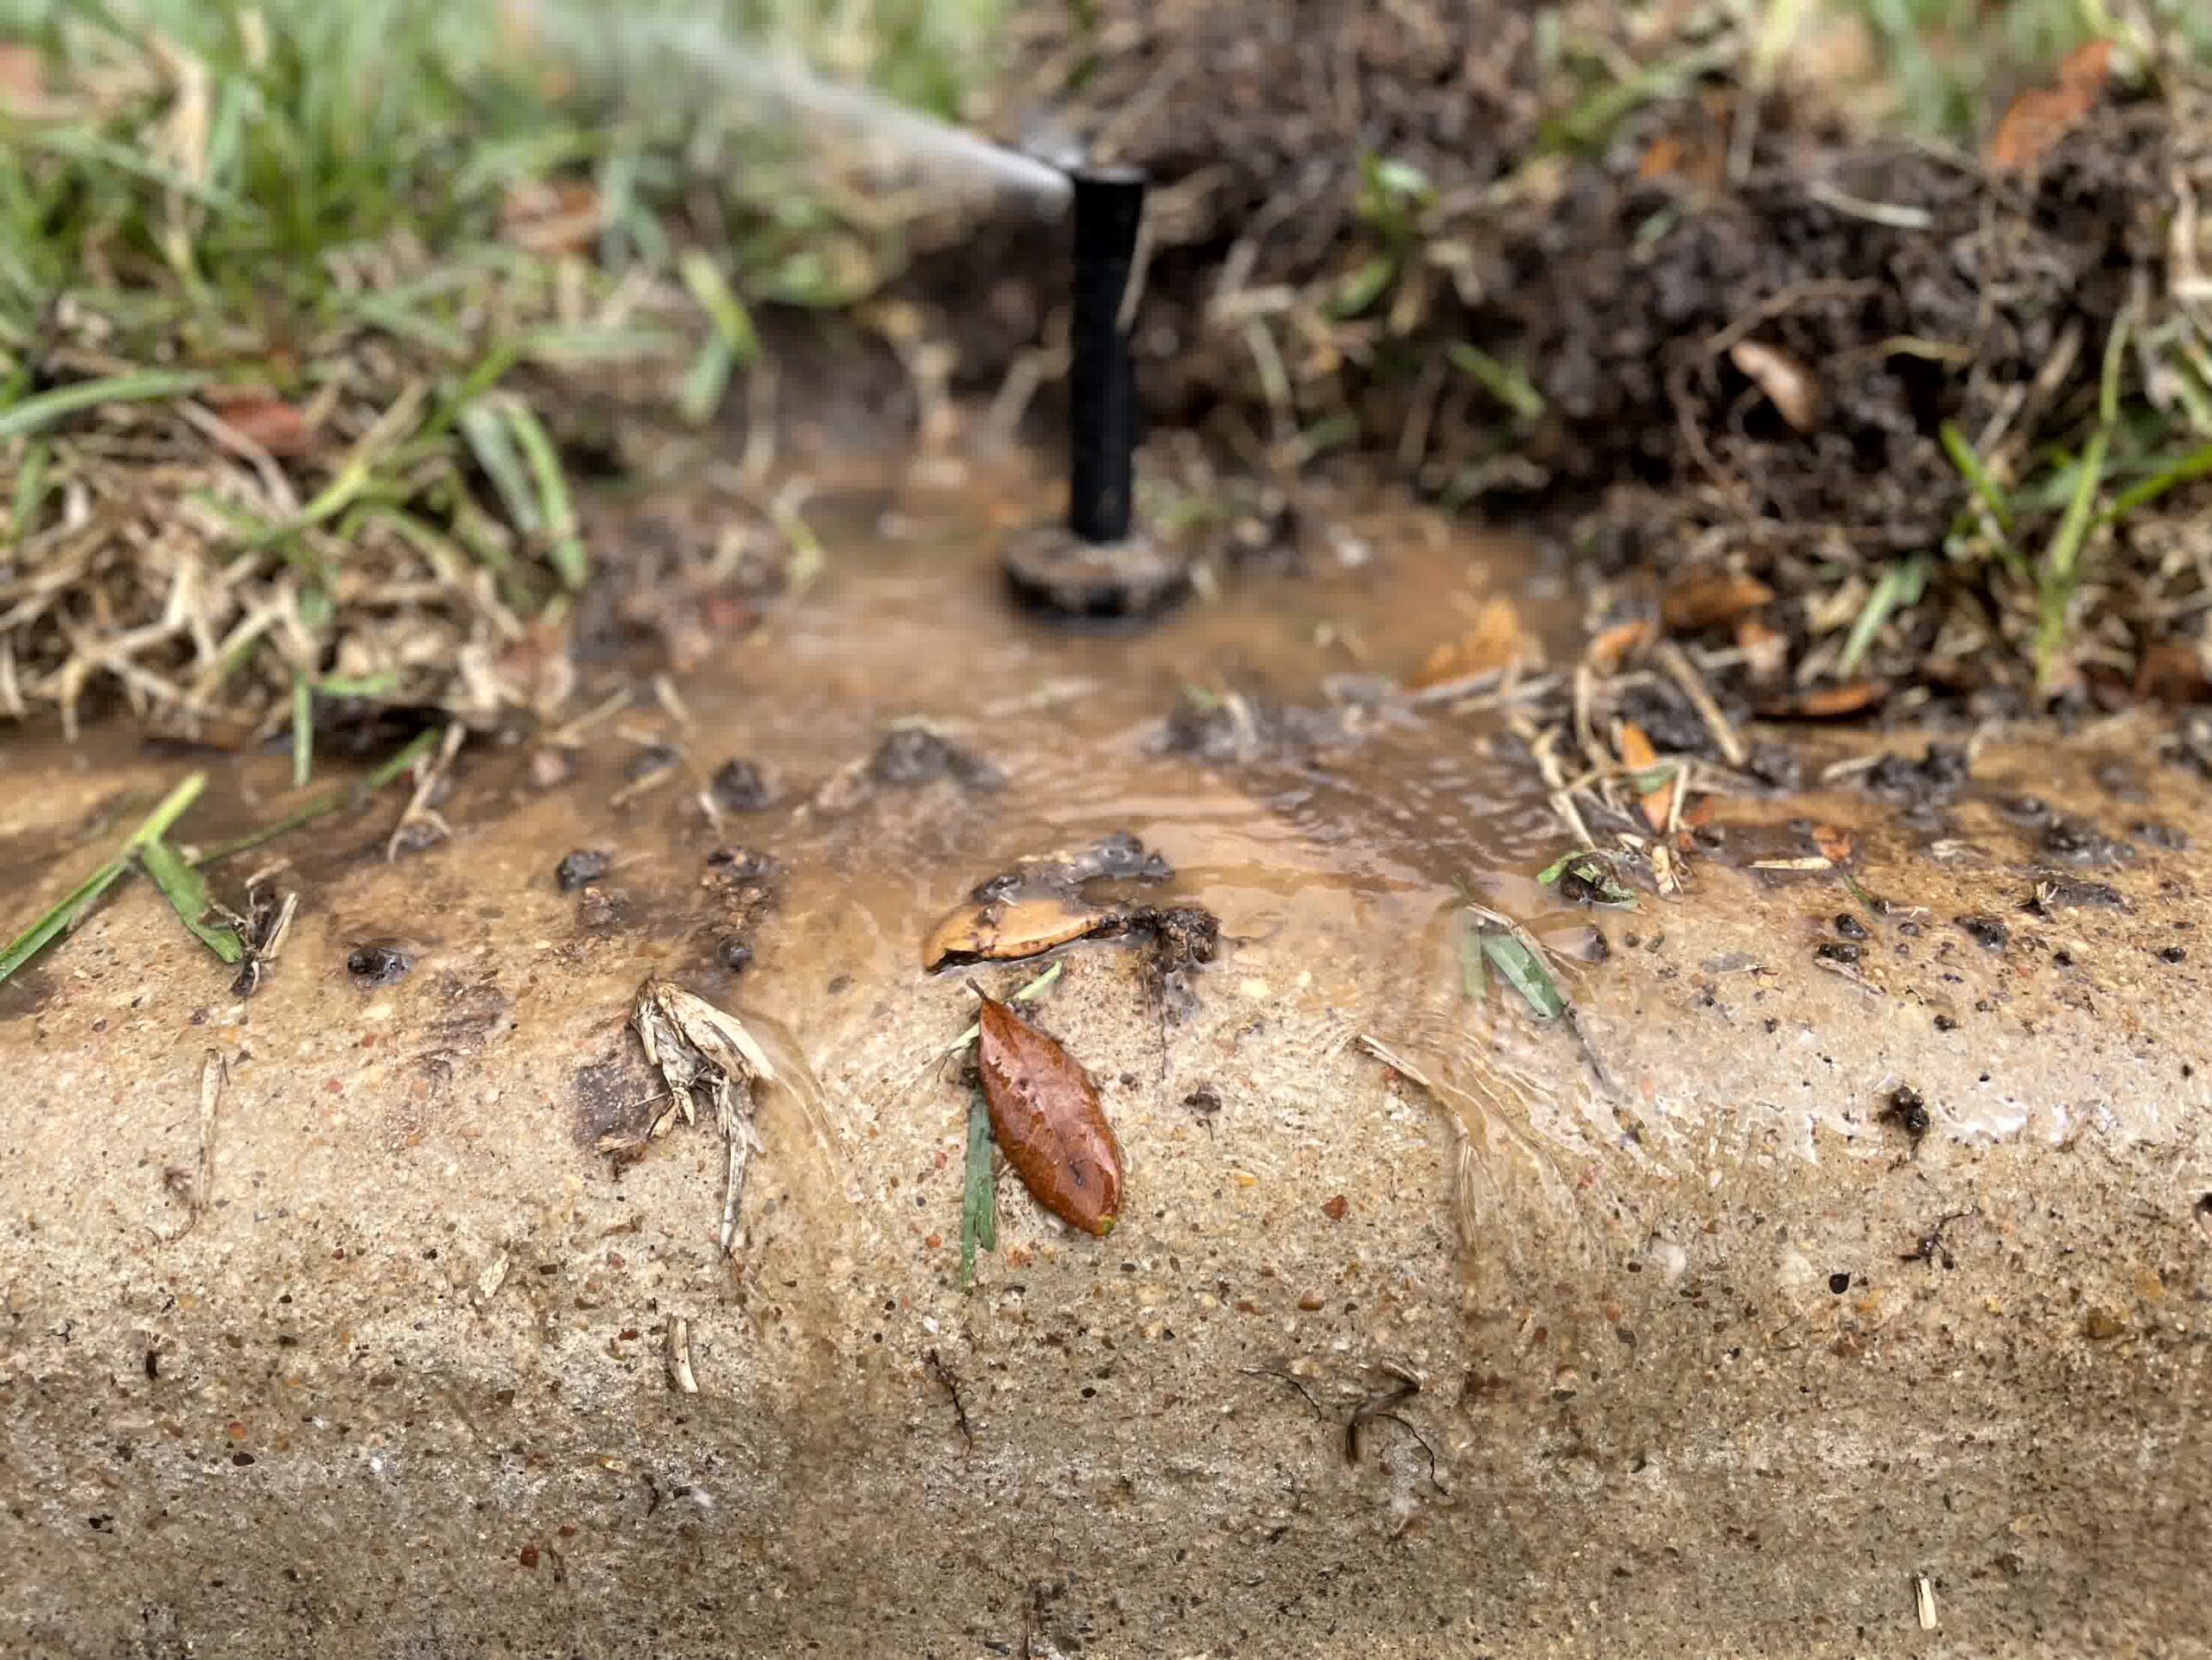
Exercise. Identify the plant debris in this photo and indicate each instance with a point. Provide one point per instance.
(703, 1054)
(1047, 1117)
(979, 1209)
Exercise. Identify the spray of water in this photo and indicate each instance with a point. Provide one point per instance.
(643, 45)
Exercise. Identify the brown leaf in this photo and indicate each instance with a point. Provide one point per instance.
(1700, 601)
(1608, 647)
(561, 216)
(279, 427)
(2041, 115)
(1009, 928)
(2171, 671)
(1826, 702)
(1638, 755)
(1491, 645)
(1838, 846)
(1789, 385)
(1047, 1117)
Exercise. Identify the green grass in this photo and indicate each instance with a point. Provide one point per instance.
(318, 200)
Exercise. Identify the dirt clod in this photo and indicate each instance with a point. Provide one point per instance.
(1907, 1110)
(739, 786)
(1987, 932)
(739, 863)
(1937, 776)
(912, 755)
(2078, 842)
(376, 964)
(584, 865)
(734, 954)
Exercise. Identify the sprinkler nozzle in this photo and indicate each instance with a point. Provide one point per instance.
(1102, 384)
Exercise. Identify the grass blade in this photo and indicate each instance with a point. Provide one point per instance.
(43, 411)
(1474, 970)
(706, 381)
(66, 913)
(1901, 583)
(329, 801)
(979, 1218)
(557, 511)
(1961, 452)
(302, 731)
(2195, 465)
(186, 892)
(712, 291)
(1517, 966)
(31, 490)
(1508, 384)
(491, 442)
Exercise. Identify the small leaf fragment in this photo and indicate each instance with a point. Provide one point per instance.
(1006, 929)
(1698, 602)
(1519, 967)
(1656, 792)
(979, 1215)
(1492, 643)
(185, 889)
(1792, 388)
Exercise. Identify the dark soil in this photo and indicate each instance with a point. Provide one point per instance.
(1634, 274)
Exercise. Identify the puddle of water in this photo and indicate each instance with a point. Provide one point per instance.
(1335, 868)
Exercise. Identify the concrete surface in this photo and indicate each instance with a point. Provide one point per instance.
(1686, 1382)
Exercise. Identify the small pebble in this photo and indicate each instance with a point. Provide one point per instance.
(1850, 926)
(1310, 1301)
(734, 954)
(2174, 954)
(1833, 951)
(550, 768)
(2103, 1323)
(584, 865)
(1334, 1209)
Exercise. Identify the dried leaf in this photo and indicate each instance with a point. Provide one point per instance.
(1838, 846)
(561, 216)
(1792, 388)
(1638, 755)
(2041, 115)
(1826, 702)
(1010, 928)
(1609, 647)
(2171, 671)
(276, 425)
(699, 1049)
(1492, 643)
(1720, 596)
(1047, 1117)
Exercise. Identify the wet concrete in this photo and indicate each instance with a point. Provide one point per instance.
(1679, 1342)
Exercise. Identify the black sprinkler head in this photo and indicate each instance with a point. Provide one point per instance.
(1102, 384)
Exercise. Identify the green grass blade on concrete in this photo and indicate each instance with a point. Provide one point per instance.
(979, 1224)
(185, 889)
(65, 915)
(329, 801)
(1520, 968)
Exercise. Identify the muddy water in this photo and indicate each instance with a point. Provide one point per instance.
(1334, 867)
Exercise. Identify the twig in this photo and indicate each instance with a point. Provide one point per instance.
(1684, 674)
(942, 1373)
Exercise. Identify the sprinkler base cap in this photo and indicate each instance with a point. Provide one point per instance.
(1054, 571)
